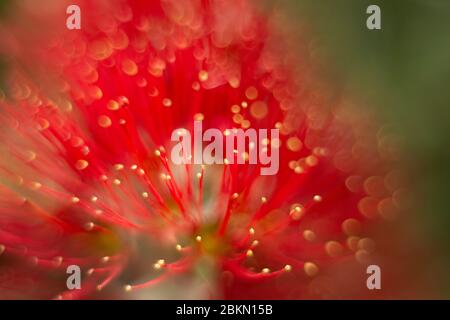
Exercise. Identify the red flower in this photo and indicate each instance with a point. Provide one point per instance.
(87, 178)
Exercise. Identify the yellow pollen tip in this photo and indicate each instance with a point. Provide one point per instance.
(104, 121)
(81, 164)
(199, 117)
(265, 270)
(113, 105)
(128, 288)
(36, 185)
(203, 75)
(157, 266)
(89, 226)
(118, 166)
(317, 198)
(75, 200)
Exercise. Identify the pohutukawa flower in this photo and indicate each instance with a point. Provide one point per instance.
(86, 177)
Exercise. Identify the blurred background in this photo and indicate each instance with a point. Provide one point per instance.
(403, 71)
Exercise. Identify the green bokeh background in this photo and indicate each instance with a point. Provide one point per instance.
(404, 70)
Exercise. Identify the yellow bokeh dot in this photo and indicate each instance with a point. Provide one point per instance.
(259, 109)
(129, 67)
(294, 144)
(251, 93)
(203, 75)
(81, 164)
(104, 121)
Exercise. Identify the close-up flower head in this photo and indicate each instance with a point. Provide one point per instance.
(221, 149)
